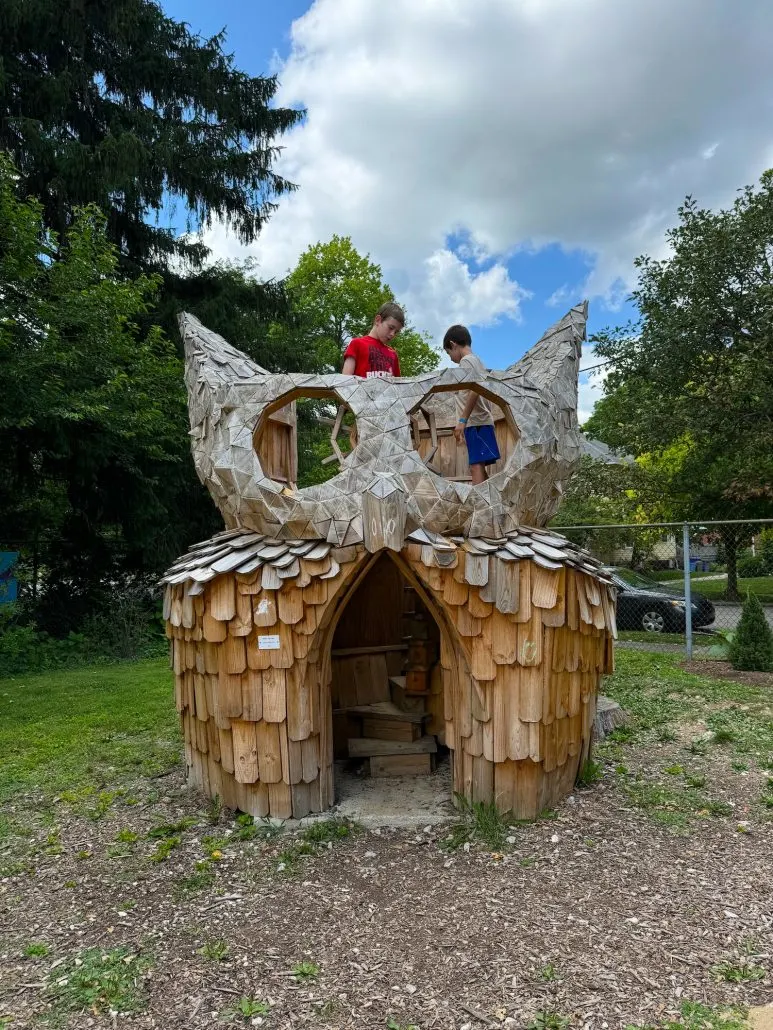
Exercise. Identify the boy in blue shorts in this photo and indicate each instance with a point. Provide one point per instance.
(475, 421)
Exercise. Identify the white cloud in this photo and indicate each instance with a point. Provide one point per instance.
(513, 123)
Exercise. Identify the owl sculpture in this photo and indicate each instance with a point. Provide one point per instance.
(388, 486)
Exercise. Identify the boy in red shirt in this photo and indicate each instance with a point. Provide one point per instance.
(371, 355)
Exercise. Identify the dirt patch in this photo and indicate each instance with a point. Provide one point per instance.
(599, 915)
(724, 671)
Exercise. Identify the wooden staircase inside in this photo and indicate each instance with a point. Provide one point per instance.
(385, 713)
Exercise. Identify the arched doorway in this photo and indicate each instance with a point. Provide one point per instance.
(386, 688)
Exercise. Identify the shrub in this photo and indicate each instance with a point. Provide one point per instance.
(752, 646)
(750, 566)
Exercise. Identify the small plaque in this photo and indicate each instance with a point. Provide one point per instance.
(270, 643)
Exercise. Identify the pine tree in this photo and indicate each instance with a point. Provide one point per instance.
(752, 646)
(118, 105)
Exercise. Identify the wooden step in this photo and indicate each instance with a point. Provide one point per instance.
(386, 710)
(390, 729)
(401, 765)
(345, 652)
(414, 703)
(366, 747)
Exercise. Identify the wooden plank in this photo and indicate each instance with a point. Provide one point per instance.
(252, 695)
(310, 758)
(264, 609)
(290, 605)
(476, 569)
(524, 591)
(508, 587)
(280, 802)
(499, 718)
(275, 695)
(544, 587)
(298, 703)
(556, 616)
(530, 641)
(387, 729)
(269, 752)
(530, 694)
(502, 633)
(342, 652)
(300, 794)
(482, 664)
(241, 624)
(226, 749)
(401, 765)
(482, 780)
(214, 631)
(234, 655)
(476, 607)
(455, 592)
(383, 521)
(386, 710)
(245, 750)
(222, 597)
(228, 696)
(200, 692)
(504, 785)
(365, 747)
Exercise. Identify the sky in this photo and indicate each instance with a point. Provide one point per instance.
(502, 159)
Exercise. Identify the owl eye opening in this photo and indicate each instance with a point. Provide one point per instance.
(436, 416)
(303, 437)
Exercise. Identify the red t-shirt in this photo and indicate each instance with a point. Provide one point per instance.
(372, 358)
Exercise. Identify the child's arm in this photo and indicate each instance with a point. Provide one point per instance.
(467, 410)
(349, 366)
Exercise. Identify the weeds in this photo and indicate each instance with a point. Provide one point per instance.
(742, 971)
(480, 822)
(591, 774)
(215, 951)
(305, 970)
(164, 848)
(392, 1024)
(312, 840)
(201, 879)
(170, 829)
(546, 1019)
(548, 973)
(35, 950)
(696, 1016)
(100, 981)
(248, 1008)
(214, 810)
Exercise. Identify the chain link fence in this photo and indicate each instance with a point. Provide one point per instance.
(681, 585)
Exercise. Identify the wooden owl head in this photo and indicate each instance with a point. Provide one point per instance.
(405, 472)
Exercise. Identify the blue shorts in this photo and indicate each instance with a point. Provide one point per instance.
(482, 446)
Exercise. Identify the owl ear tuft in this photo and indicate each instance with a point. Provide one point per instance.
(553, 362)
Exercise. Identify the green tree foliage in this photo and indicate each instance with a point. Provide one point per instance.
(752, 646)
(333, 294)
(94, 475)
(691, 386)
(118, 105)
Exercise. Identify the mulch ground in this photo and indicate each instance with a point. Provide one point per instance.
(725, 671)
(600, 915)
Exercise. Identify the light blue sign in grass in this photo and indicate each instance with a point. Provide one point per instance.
(8, 585)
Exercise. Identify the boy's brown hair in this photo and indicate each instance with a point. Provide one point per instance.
(390, 310)
(457, 334)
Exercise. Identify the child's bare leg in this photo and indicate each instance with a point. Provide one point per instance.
(478, 473)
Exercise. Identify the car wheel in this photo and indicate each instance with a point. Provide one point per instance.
(653, 621)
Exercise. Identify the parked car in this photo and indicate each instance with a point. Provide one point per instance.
(645, 604)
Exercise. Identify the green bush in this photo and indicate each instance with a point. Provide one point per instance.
(750, 566)
(751, 649)
(126, 629)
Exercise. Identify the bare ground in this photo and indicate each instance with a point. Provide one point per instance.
(725, 671)
(599, 914)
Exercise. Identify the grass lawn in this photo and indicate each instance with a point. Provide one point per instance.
(87, 729)
(714, 588)
(122, 891)
(665, 638)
